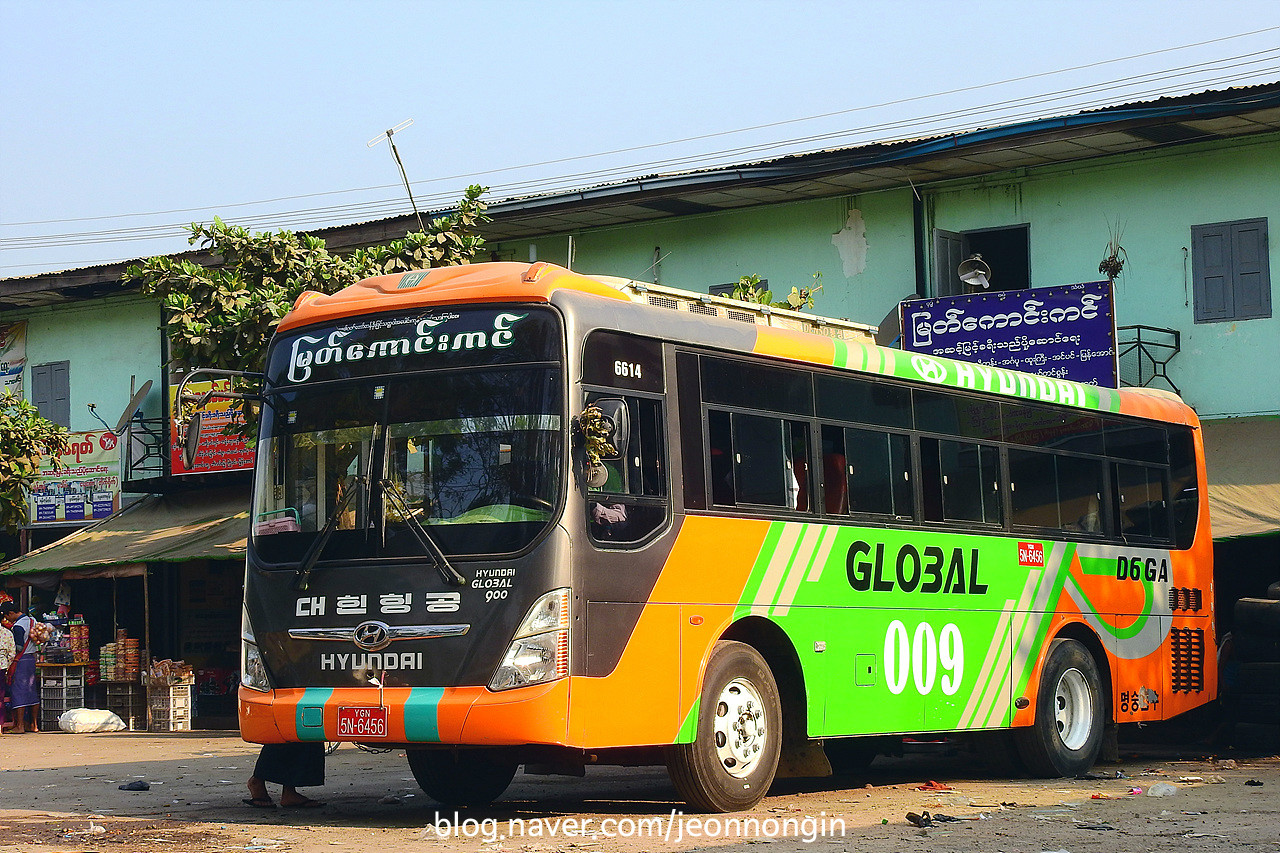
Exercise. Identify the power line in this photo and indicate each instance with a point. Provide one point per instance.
(697, 138)
(934, 124)
(955, 121)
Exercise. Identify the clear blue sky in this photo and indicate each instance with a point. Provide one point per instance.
(128, 119)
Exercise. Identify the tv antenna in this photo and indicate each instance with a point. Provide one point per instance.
(387, 135)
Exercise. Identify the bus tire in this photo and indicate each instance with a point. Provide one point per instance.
(1067, 734)
(1259, 679)
(1256, 708)
(734, 755)
(461, 777)
(1252, 647)
(1258, 614)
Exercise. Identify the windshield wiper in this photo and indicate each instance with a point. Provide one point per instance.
(447, 571)
(310, 558)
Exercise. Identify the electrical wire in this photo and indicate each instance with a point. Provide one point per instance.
(1011, 111)
(697, 138)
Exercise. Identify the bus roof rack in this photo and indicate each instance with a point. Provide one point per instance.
(710, 305)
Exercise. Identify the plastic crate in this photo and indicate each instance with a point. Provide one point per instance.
(165, 720)
(170, 697)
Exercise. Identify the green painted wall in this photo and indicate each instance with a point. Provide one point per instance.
(1156, 198)
(785, 243)
(106, 341)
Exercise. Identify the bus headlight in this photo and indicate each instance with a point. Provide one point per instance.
(540, 649)
(253, 672)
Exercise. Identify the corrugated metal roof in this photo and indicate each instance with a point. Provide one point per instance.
(1119, 129)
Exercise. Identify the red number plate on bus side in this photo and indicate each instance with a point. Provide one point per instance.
(362, 722)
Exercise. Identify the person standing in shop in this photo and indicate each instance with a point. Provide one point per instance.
(8, 651)
(24, 694)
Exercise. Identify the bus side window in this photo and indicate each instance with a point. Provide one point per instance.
(1184, 487)
(796, 438)
(760, 460)
(835, 479)
(931, 478)
(1140, 501)
(868, 473)
(632, 503)
(720, 434)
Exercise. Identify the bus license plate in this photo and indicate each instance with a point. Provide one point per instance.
(362, 722)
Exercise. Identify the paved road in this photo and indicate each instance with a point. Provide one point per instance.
(61, 792)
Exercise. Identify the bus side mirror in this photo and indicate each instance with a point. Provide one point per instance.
(617, 420)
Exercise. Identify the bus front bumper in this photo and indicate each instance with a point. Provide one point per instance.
(450, 715)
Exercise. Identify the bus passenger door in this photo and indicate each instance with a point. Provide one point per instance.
(631, 693)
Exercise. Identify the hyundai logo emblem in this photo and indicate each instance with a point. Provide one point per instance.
(372, 635)
(929, 370)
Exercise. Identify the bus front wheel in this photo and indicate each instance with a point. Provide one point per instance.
(734, 755)
(461, 777)
(1067, 734)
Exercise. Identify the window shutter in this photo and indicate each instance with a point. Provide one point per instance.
(51, 391)
(1253, 280)
(948, 252)
(1231, 271)
(1211, 271)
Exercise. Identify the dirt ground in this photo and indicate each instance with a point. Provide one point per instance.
(60, 792)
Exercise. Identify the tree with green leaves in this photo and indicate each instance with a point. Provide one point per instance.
(222, 316)
(26, 440)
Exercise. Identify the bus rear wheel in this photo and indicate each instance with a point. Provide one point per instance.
(734, 755)
(1067, 734)
(461, 777)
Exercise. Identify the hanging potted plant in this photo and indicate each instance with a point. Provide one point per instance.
(1114, 256)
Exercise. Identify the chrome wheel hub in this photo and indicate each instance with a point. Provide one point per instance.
(1073, 709)
(741, 731)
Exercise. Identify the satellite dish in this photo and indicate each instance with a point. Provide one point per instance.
(192, 443)
(134, 404)
(975, 273)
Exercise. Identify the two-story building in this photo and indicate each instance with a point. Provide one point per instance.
(1182, 190)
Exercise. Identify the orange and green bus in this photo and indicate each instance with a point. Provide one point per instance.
(509, 514)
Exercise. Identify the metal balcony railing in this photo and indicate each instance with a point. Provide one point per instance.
(1144, 353)
(145, 458)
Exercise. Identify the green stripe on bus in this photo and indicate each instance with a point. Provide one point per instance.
(689, 728)
(308, 716)
(421, 721)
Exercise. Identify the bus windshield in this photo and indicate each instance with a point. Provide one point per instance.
(473, 456)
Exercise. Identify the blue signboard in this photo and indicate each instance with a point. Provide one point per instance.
(1067, 332)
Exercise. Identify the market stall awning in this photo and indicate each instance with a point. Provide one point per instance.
(211, 524)
(1244, 475)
